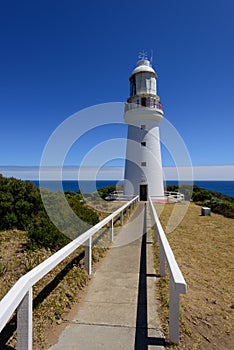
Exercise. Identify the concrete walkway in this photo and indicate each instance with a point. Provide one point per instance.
(119, 310)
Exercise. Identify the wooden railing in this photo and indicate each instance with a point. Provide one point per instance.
(20, 295)
(177, 283)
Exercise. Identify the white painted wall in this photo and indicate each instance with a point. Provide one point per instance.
(143, 162)
(136, 154)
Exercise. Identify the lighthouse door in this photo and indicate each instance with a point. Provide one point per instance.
(143, 192)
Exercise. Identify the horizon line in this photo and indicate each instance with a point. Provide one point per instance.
(171, 173)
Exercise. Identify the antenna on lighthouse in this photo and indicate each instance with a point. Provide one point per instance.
(142, 55)
(151, 57)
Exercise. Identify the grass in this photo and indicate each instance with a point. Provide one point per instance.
(203, 249)
(57, 292)
(53, 295)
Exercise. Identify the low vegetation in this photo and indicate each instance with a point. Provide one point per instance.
(21, 208)
(53, 296)
(218, 202)
(103, 192)
(19, 202)
(24, 246)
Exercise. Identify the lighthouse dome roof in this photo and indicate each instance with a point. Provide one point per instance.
(143, 66)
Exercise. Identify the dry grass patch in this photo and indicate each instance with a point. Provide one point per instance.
(203, 248)
(54, 295)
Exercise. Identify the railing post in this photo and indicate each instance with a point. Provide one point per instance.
(121, 218)
(24, 322)
(111, 230)
(174, 323)
(155, 232)
(161, 260)
(88, 255)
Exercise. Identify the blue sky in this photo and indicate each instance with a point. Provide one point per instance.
(58, 57)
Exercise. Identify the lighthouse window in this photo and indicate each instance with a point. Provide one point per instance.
(143, 144)
(143, 127)
(133, 86)
(143, 163)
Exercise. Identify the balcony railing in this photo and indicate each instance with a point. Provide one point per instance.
(150, 105)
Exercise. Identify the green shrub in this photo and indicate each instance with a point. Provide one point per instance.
(19, 202)
(21, 207)
(84, 213)
(220, 206)
(218, 202)
(42, 233)
(103, 192)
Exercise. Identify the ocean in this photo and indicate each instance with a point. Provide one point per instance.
(225, 187)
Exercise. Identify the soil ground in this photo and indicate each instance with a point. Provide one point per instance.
(203, 247)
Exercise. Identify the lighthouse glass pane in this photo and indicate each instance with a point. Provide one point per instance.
(133, 86)
(143, 163)
(143, 144)
(142, 88)
(153, 86)
(148, 86)
(138, 83)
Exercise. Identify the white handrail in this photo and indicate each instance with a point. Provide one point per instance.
(22, 288)
(177, 283)
(174, 195)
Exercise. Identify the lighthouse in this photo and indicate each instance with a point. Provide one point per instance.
(143, 114)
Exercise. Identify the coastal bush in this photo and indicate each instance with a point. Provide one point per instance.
(42, 233)
(220, 206)
(21, 207)
(218, 202)
(84, 213)
(19, 202)
(103, 192)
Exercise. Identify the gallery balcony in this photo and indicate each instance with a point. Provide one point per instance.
(135, 111)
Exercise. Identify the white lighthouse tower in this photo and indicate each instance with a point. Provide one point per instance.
(143, 113)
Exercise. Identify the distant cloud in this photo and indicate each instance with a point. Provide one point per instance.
(209, 173)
